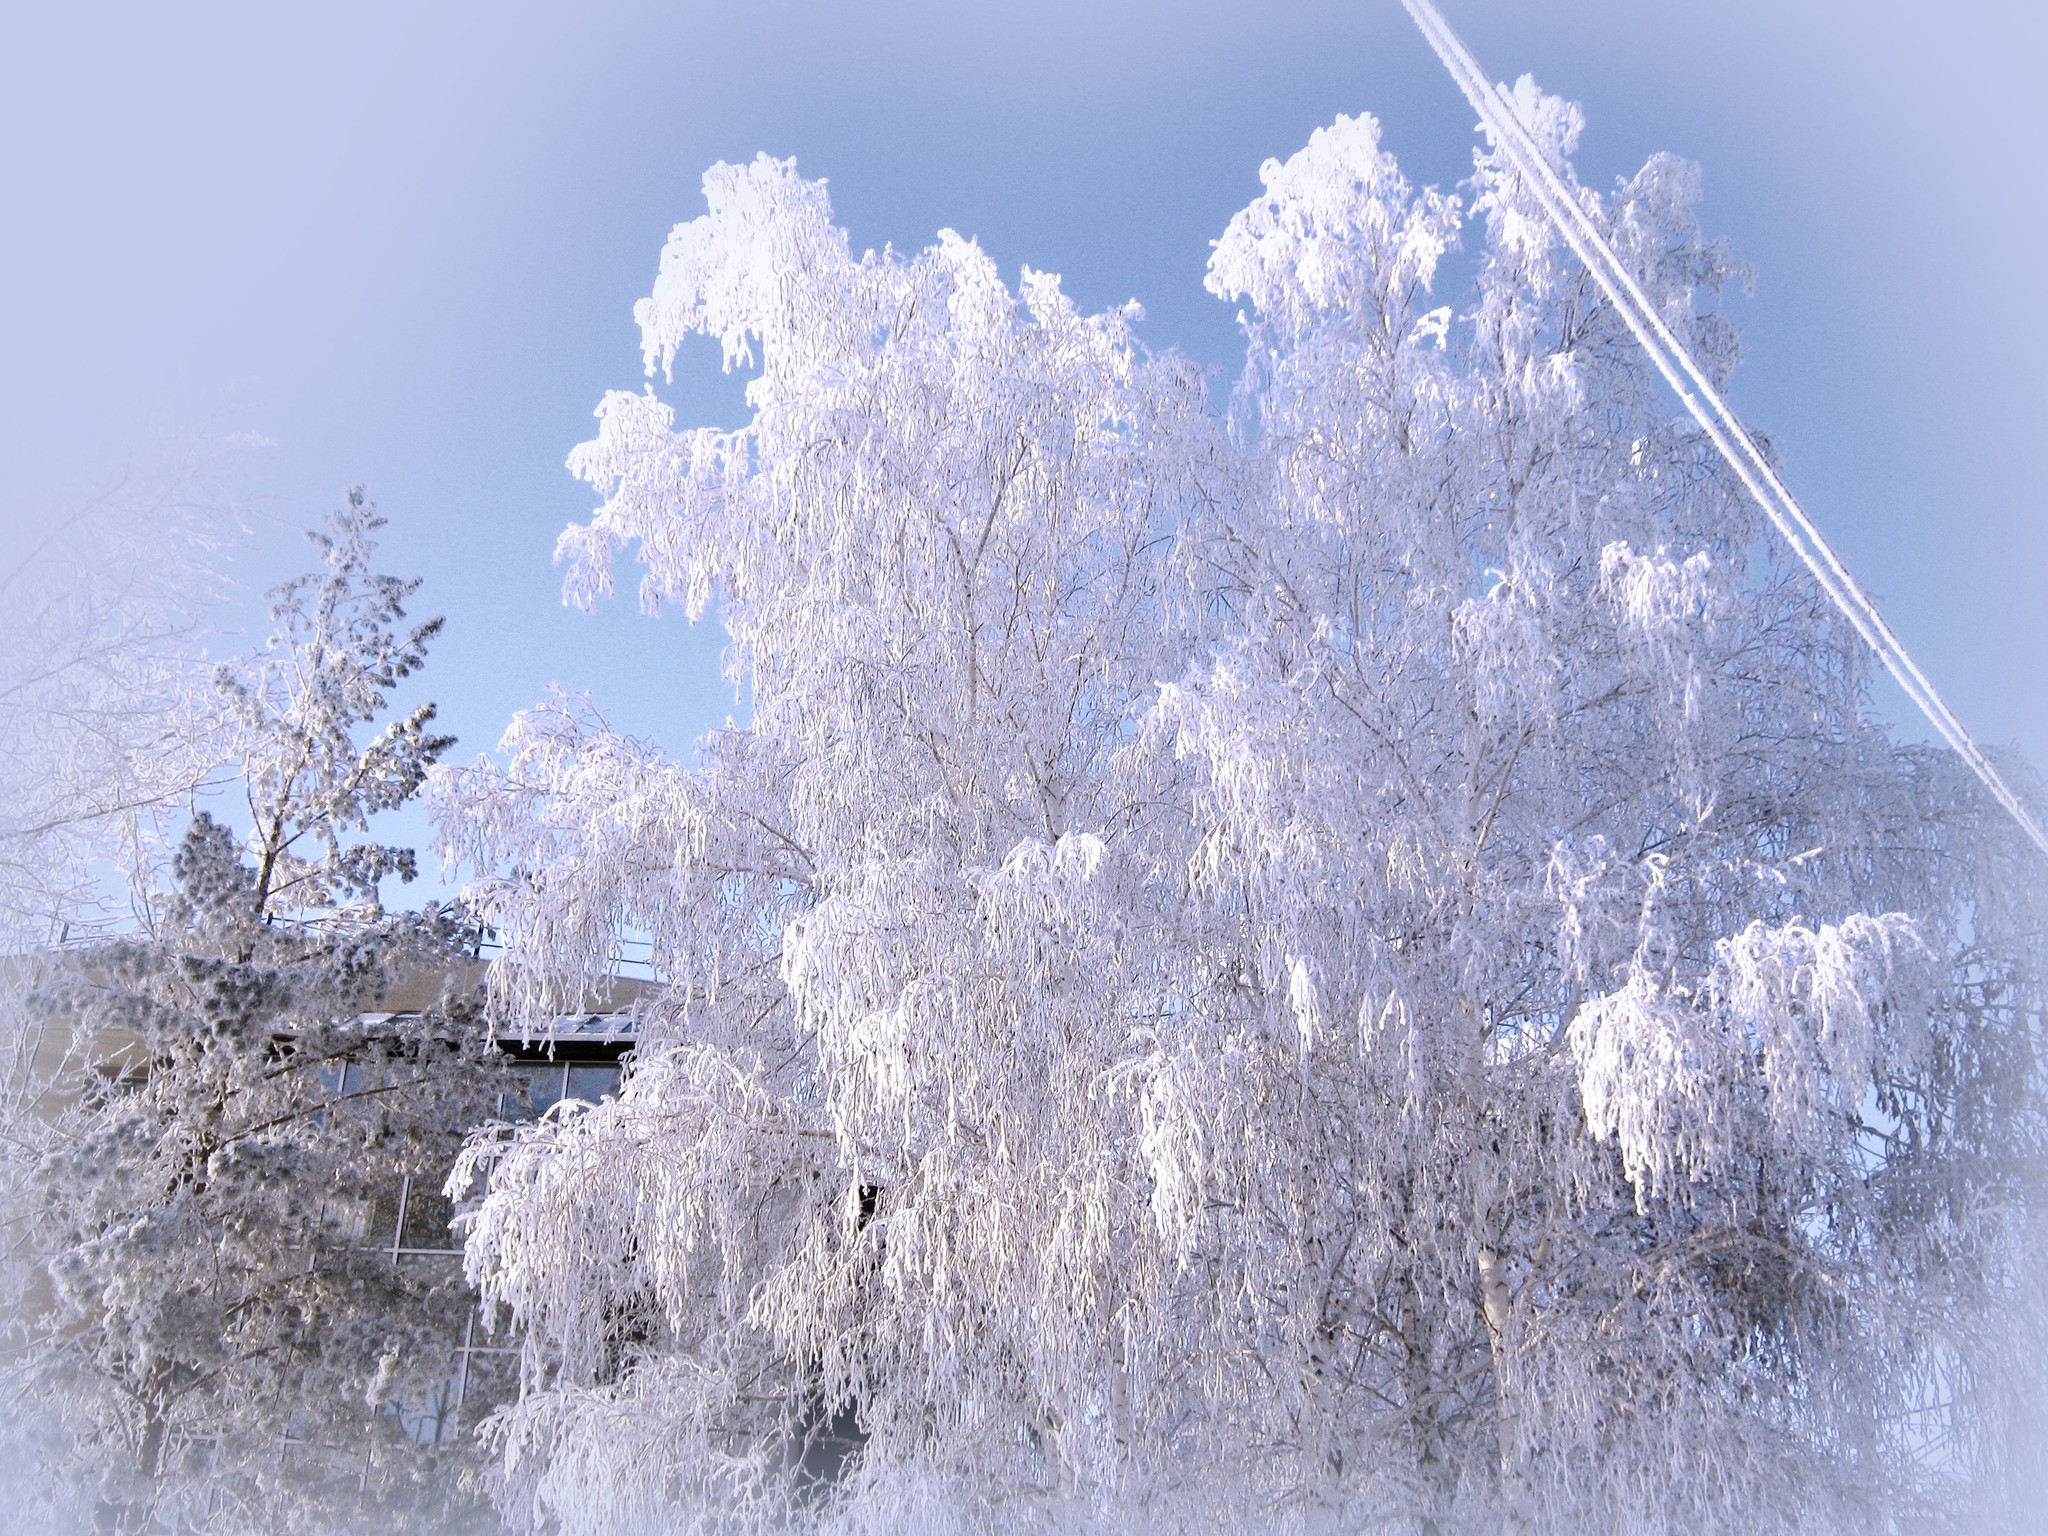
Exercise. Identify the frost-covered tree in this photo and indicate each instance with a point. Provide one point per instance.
(106, 720)
(219, 1333)
(1359, 965)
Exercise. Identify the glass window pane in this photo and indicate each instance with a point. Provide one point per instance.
(346, 1220)
(594, 1081)
(537, 1086)
(429, 1418)
(381, 1227)
(427, 1214)
(544, 1086)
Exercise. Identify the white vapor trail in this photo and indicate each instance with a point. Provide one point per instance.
(1683, 374)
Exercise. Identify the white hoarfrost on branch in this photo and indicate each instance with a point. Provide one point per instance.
(1359, 965)
(106, 719)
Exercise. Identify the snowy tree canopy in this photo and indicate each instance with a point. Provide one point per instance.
(1358, 963)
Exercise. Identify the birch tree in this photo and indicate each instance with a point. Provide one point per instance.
(106, 729)
(1359, 963)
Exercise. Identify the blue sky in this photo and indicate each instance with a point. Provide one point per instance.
(401, 242)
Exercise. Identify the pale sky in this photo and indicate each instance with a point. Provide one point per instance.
(401, 243)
